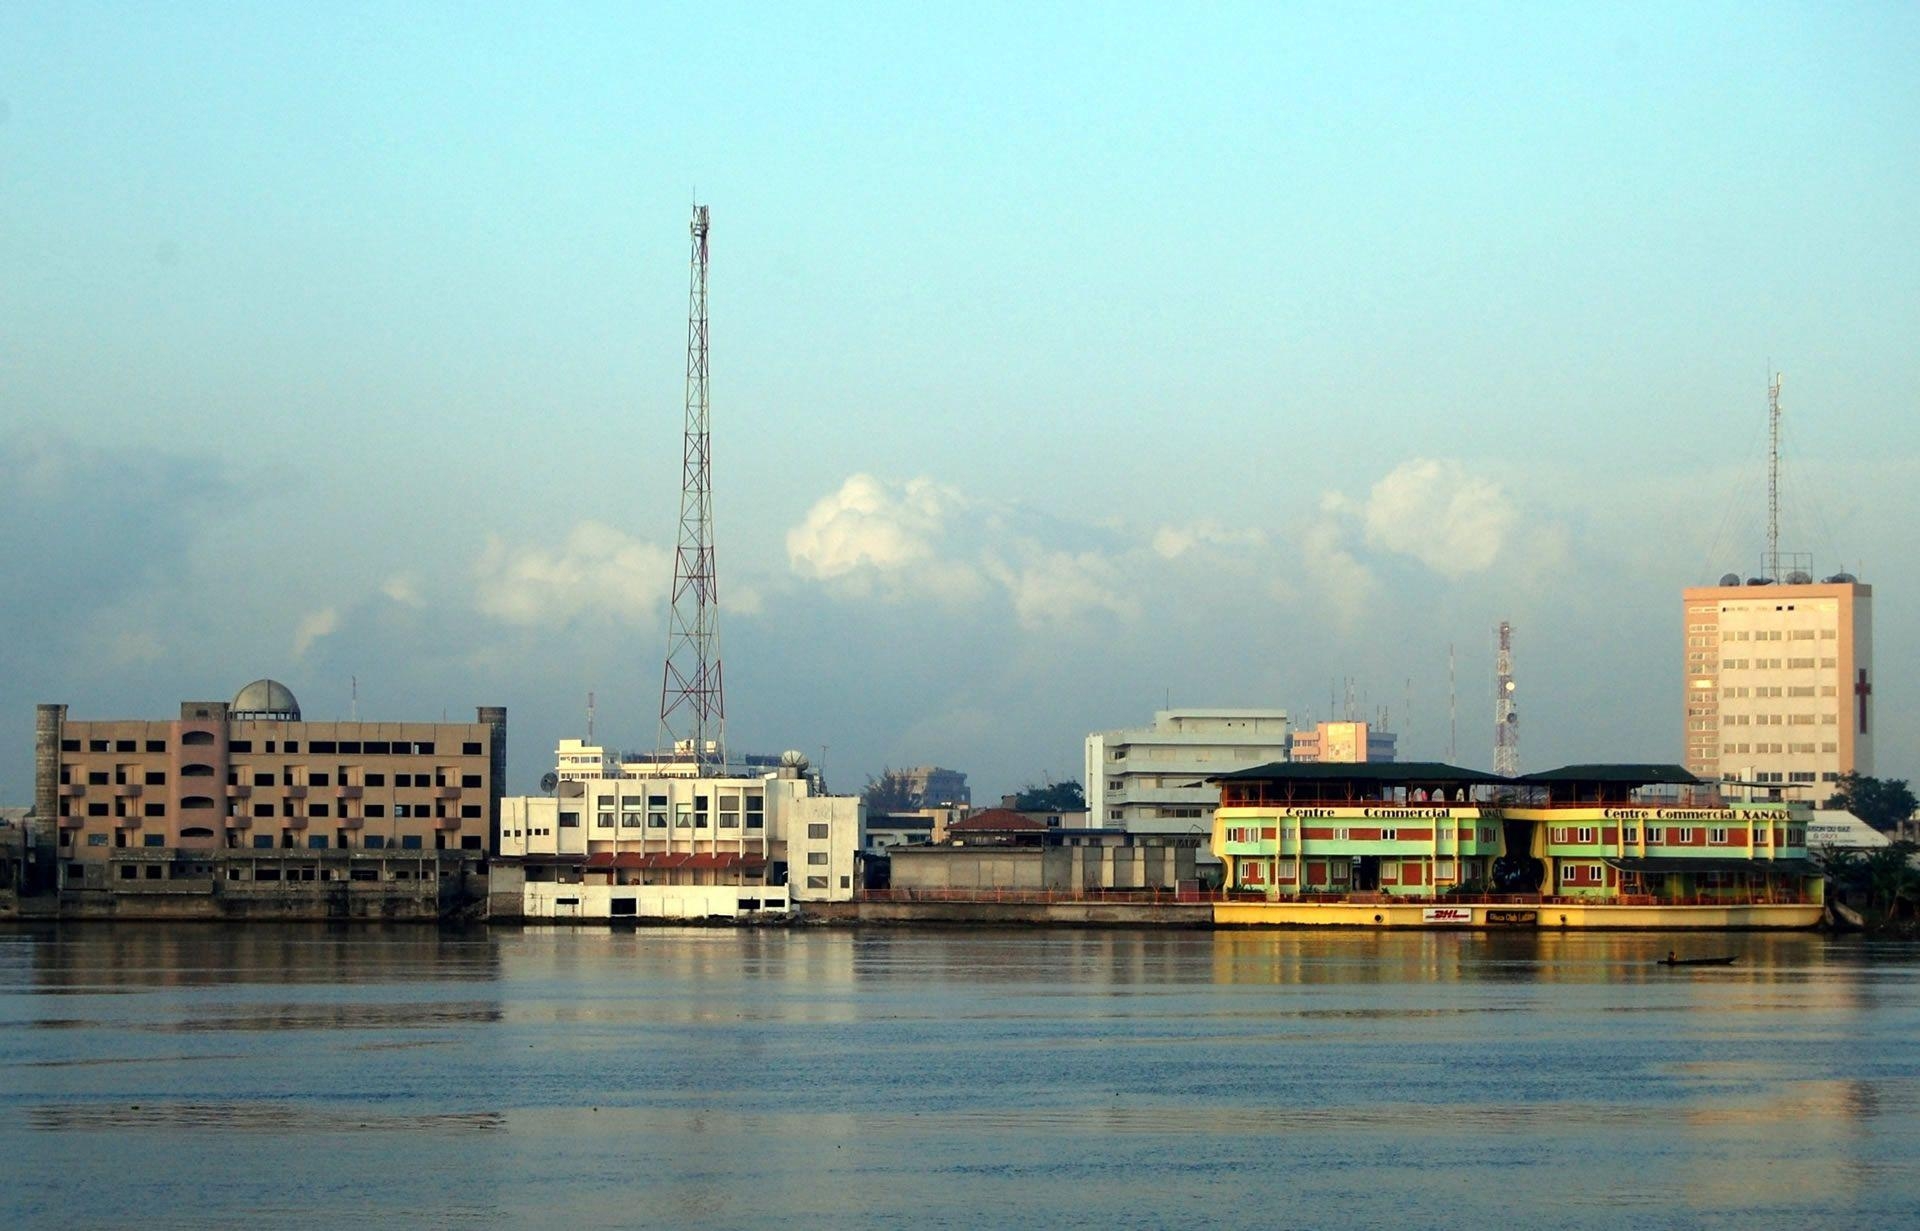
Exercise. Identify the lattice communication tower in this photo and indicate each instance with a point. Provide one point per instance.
(1506, 720)
(693, 711)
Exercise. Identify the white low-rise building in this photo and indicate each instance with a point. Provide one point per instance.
(676, 847)
(1152, 780)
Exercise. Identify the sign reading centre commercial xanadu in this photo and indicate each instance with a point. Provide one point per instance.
(1396, 812)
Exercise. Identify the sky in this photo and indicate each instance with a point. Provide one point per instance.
(1068, 361)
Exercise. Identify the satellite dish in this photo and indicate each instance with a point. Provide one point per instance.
(1799, 579)
(1730, 579)
(1842, 579)
(794, 759)
(548, 781)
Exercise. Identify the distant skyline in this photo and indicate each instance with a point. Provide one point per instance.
(1065, 362)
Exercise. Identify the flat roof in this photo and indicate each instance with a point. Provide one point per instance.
(1357, 771)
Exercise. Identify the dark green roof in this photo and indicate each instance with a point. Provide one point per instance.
(1637, 775)
(1358, 771)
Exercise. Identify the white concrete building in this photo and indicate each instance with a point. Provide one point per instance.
(649, 846)
(1778, 682)
(1152, 780)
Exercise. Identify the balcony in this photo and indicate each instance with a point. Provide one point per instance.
(294, 822)
(353, 822)
(73, 790)
(239, 790)
(446, 792)
(73, 822)
(447, 824)
(239, 821)
(349, 790)
(296, 790)
(127, 790)
(126, 822)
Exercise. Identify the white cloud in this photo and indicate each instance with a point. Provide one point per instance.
(1172, 542)
(891, 538)
(597, 573)
(1440, 513)
(1346, 585)
(312, 627)
(1053, 588)
(403, 589)
(871, 523)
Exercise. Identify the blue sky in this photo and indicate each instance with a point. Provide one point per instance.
(1064, 360)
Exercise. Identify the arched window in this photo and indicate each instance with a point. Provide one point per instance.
(197, 737)
(196, 801)
(196, 771)
(196, 831)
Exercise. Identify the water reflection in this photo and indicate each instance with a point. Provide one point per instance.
(864, 1079)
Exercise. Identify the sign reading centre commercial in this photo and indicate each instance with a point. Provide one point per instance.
(1400, 812)
(1447, 914)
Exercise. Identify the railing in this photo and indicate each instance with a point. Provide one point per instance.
(1186, 897)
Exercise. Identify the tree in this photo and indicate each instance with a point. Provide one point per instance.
(892, 791)
(1880, 802)
(1055, 797)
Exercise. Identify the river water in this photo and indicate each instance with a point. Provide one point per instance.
(207, 1075)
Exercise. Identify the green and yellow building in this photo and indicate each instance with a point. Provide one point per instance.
(1425, 844)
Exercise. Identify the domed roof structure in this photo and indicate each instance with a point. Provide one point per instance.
(265, 699)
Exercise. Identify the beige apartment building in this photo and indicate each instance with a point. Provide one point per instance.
(234, 791)
(1344, 742)
(1779, 683)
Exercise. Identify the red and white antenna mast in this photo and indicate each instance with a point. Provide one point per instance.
(693, 723)
(1506, 719)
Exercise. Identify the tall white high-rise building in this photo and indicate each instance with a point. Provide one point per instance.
(1779, 682)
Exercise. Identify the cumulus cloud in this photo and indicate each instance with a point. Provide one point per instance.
(597, 573)
(890, 538)
(312, 627)
(1172, 542)
(1346, 585)
(1057, 588)
(1440, 513)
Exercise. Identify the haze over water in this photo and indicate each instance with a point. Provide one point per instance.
(303, 1076)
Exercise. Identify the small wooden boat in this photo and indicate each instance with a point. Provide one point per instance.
(1675, 960)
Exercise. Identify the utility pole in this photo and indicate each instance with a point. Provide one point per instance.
(693, 708)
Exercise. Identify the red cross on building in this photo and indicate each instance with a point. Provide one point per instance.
(1863, 690)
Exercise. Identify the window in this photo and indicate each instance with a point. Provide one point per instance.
(1630, 834)
(316, 810)
(375, 842)
(816, 882)
(817, 859)
(155, 810)
(160, 745)
(471, 748)
(350, 747)
(469, 780)
(317, 842)
(424, 748)
(124, 745)
(96, 839)
(1583, 835)
(410, 842)
(470, 811)
(99, 809)
(404, 811)
(153, 839)
(817, 831)
(292, 745)
(1389, 835)
(1716, 837)
(404, 780)
(376, 780)
(1656, 835)
(376, 811)
(322, 745)
(756, 811)
(1683, 835)
(601, 820)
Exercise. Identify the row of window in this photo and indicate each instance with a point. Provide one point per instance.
(349, 747)
(122, 775)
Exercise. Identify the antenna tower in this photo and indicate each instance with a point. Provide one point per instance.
(589, 718)
(693, 722)
(1773, 478)
(1453, 711)
(1506, 723)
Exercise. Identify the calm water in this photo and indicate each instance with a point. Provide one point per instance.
(214, 1076)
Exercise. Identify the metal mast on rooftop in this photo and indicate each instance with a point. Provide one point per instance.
(1506, 721)
(1773, 478)
(693, 723)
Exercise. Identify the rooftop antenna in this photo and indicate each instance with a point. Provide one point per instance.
(1773, 477)
(353, 706)
(1506, 721)
(589, 718)
(692, 705)
(1453, 711)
